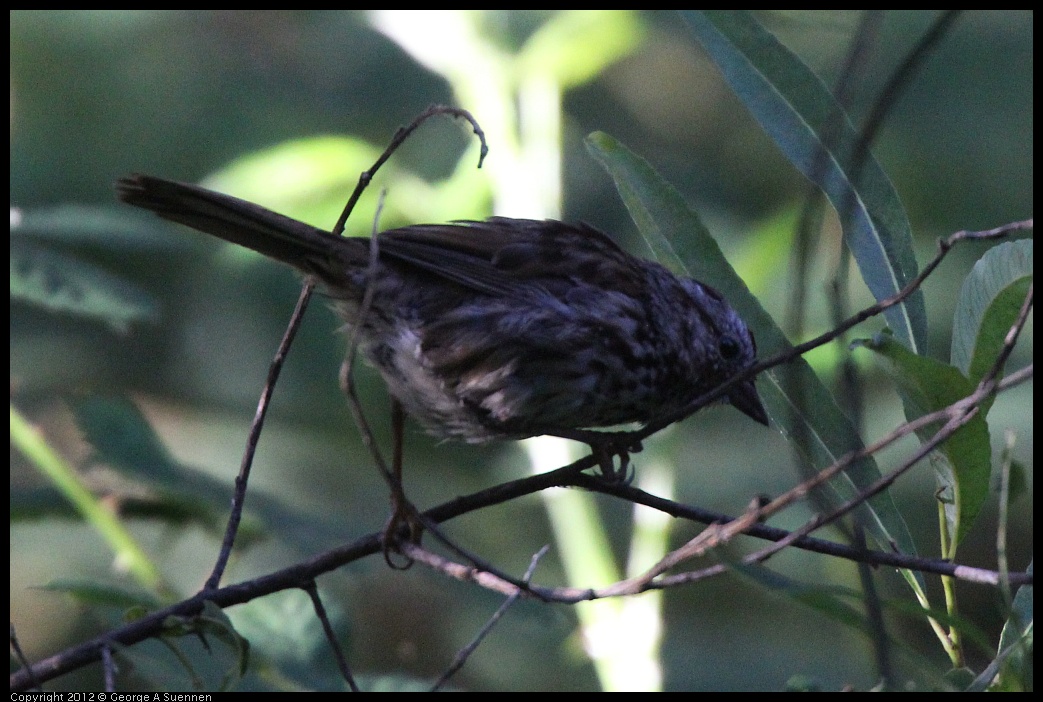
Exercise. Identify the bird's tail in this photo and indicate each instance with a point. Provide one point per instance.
(306, 248)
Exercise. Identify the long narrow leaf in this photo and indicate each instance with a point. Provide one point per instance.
(796, 109)
(676, 234)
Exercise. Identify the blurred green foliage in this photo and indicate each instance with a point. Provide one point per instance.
(240, 97)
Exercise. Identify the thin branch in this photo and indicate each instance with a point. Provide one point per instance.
(900, 79)
(109, 666)
(466, 651)
(875, 617)
(19, 654)
(347, 376)
(241, 480)
(1002, 520)
(396, 141)
(331, 637)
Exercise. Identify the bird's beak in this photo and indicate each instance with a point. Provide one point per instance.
(745, 398)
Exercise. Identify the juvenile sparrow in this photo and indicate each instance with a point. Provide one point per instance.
(501, 329)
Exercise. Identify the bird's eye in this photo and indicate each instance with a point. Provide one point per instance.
(729, 347)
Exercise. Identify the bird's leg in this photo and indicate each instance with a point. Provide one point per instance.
(605, 449)
(402, 512)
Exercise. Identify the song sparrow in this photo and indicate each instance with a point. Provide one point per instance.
(506, 328)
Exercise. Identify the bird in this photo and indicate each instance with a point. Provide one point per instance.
(499, 329)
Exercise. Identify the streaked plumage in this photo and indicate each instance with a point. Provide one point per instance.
(505, 328)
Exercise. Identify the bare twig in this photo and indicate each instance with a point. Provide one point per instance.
(397, 140)
(241, 480)
(331, 637)
(347, 376)
(466, 651)
(19, 654)
(110, 668)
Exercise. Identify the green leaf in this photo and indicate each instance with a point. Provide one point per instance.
(123, 438)
(208, 653)
(989, 303)
(101, 593)
(827, 600)
(833, 602)
(118, 228)
(1014, 655)
(798, 112)
(60, 282)
(927, 385)
(807, 409)
(214, 622)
